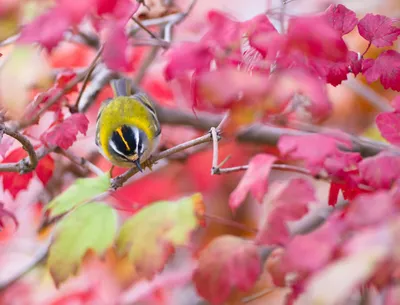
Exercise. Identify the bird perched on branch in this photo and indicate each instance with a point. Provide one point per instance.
(127, 127)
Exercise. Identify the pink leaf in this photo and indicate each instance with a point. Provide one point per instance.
(114, 53)
(254, 180)
(187, 57)
(228, 262)
(380, 171)
(341, 18)
(48, 29)
(5, 145)
(310, 252)
(291, 203)
(313, 149)
(378, 30)
(355, 62)
(370, 209)
(389, 125)
(64, 134)
(45, 168)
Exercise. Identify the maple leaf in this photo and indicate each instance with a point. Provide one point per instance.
(92, 226)
(64, 134)
(370, 209)
(313, 149)
(378, 30)
(64, 78)
(380, 171)
(301, 254)
(227, 262)
(355, 62)
(15, 182)
(341, 18)
(148, 237)
(114, 53)
(389, 126)
(6, 214)
(254, 180)
(289, 203)
(186, 57)
(258, 30)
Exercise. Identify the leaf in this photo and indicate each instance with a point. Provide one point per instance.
(227, 262)
(346, 273)
(378, 30)
(290, 202)
(80, 191)
(6, 214)
(341, 18)
(380, 171)
(254, 180)
(386, 68)
(115, 46)
(313, 149)
(311, 252)
(370, 209)
(64, 78)
(187, 57)
(92, 226)
(148, 237)
(389, 125)
(45, 168)
(64, 134)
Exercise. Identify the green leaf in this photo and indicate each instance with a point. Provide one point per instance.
(149, 236)
(81, 191)
(91, 226)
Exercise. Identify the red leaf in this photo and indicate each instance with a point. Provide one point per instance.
(386, 68)
(45, 168)
(314, 38)
(310, 252)
(6, 214)
(380, 171)
(256, 29)
(14, 182)
(341, 18)
(370, 209)
(223, 32)
(64, 134)
(105, 6)
(64, 78)
(114, 53)
(378, 30)
(48, 29)
(313, 149)
(355, 62)
(254, 180)
(187, 57)
(389, 125)
(227, 262)
(291, 203)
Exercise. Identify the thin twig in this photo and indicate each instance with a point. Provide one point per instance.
(54, 99)
(145, 65)
(230, 223)
(144, 28)
(88, 74)
(80, 161)
(214, 135)
(23, 166)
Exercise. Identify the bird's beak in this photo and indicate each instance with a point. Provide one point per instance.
(137, 162)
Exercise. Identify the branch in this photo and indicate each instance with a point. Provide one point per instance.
(80, 161)
(121, 179)
(25, 165)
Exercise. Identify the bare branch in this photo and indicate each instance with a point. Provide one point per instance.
(214, 135)
(23, 166)
(80, 161)
(144, 28)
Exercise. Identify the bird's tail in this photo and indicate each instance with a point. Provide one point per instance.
(121, 87)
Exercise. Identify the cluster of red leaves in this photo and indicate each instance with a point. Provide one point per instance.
(109, 17)
(264, 70)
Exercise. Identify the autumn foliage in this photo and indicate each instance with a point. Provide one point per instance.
(263, 199)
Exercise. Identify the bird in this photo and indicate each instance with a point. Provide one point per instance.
(128, 131)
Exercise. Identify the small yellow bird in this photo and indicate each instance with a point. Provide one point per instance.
(127, 127)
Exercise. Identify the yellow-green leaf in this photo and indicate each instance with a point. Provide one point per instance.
(81, 191)
(147, 237)
(91, 226)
